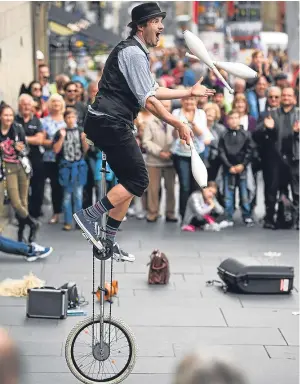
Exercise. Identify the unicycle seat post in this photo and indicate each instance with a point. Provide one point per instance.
(103, 240)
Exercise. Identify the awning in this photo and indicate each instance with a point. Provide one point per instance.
(68, 24)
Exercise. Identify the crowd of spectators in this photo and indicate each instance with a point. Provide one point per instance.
(237, 136)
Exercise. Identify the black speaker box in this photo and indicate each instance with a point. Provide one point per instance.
(47, 302)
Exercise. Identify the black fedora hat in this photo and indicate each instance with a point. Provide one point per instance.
(144, 12)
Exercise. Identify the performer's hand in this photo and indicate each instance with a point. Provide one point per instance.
(232, 170)
(269, 122)
(200, 90)
(185, 132)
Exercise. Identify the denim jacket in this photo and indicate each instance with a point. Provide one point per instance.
(72, 174)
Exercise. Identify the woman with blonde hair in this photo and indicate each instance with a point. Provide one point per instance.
(240, 104)
(51, 124)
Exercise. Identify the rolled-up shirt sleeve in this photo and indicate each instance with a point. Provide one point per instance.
(135, 67)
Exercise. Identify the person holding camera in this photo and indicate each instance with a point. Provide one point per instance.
(16, 171)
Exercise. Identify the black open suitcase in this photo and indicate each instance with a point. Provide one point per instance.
(260, 279)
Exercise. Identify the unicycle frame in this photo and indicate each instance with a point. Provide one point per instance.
(102, 262)
(101, 348)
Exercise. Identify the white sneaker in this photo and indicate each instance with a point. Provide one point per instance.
(140, 215)
(212, 227)
(38, 252)
(225, 224)
(249, 222)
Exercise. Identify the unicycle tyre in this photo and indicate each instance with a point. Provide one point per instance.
(115, 372)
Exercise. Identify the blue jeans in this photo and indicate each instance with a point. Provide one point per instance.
(13, 247)
(67, 203)
(230, 184)
(187, 182)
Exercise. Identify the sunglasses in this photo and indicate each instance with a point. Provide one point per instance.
(273, 97)
(72, 90)
(36, 89)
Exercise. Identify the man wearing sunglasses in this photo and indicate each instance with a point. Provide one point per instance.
(273, 102)
(70, 99)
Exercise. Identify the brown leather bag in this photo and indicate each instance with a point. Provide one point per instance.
(159, 269)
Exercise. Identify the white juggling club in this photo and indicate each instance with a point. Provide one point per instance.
(236, 69)
(199, 170)
(197, 47)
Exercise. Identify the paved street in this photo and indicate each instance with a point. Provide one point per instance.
(259, 332)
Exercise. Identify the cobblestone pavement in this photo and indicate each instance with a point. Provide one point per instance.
(259, 332)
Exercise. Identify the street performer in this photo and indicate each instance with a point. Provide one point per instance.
(125, 86)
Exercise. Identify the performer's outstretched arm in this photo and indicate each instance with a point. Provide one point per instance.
(163, 93)
(198, 89)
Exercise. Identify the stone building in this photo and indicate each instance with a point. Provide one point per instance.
(22, 32)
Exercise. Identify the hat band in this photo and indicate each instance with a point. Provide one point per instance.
(145, 18)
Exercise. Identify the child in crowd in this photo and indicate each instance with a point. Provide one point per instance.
(203, 210)
(70, 147)
(235, 149)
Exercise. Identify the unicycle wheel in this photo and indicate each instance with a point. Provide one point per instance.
(113, 363)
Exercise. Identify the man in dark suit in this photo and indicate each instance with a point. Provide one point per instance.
(277, 138)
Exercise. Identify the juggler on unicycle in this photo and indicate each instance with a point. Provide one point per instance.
(126, 86)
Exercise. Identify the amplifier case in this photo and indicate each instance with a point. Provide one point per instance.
(261, 279)
(48, 303)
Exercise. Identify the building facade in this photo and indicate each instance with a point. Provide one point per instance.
(16, 49)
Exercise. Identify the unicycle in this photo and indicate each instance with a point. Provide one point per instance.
(101, 348)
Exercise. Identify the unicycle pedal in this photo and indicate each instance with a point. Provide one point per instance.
(105, 253)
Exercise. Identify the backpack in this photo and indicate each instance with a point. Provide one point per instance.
(285, 213)
(159, 269)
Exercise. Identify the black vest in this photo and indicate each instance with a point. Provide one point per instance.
(114, 96)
